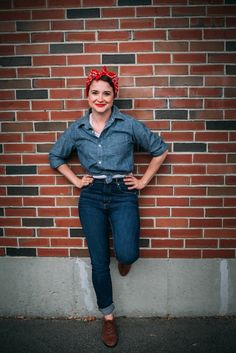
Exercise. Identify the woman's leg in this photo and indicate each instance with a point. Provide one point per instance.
(94, 220)
(125, 223)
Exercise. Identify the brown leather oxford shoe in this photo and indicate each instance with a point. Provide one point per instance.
(123, 269)
(109, 333)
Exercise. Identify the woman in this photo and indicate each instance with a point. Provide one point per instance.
(104, 139)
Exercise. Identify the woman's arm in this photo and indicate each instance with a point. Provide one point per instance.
(72, 177)
(152, 169)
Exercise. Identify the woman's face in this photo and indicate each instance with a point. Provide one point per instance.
(100, 96)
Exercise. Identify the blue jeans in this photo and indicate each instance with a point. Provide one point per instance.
(102, 204)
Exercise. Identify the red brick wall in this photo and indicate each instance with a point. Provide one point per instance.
(176, 62)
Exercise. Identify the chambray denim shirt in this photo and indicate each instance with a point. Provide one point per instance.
(112, 152)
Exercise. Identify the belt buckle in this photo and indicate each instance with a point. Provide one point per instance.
(108, 179)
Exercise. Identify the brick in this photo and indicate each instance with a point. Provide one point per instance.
(150, 253)
(66, 242)
(39, 201)
(100, 48)
(61, 3)
(221, 147)
(83, 36)
(137, 71)
(186, 233)
(185, 34)
(184, 254)
(186, 81)
(151, 34)
(167, 243)
(171, 46)
(17, 127)
(220, 233)
(188, 11)
(11, 222)
(187, 212)
(48, 14)
(231, 69)
(207, 180)
(22, 190)
(15, 61)
(36, 242)
(118, 59)
(27, 3)
(211, 136)
(19, 232)
(15, 15)
(6, 84)
(222, 58)
(5, 72)
(32, 26)
(221, 10)
(8, 242)
(124, 103)
(171, 222)
(50, 126)
(83, 13)
(31, 94)
(222, 34)
(21, 252)
(79, 253)
(47, 37)
(201, 243)
(49, 60)
(189, 147)
(207, 70)
(119, 35)
(190, 191)
(135, 47)
(32, 49)
(53, 252)
(11, 201)
(210, 22)
(205, 114)
(221, 169)
(221, 125)
(218, 253)
(169, 201)
(37, 222)
(101, 24)
(66, 71)
(66, 48)
(39, 137)
(189, 58)
(171, 22)
(134, 2)
(114, 12)
(153, 58)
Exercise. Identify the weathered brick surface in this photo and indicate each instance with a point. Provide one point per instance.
(176, 62)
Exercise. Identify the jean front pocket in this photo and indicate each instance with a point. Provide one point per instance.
(123, 188)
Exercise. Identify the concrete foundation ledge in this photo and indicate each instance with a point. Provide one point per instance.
(61, 287)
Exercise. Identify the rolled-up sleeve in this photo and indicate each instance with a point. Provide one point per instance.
(148, 140)
(62, 149)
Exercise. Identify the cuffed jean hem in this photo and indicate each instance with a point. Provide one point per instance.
(108, 310)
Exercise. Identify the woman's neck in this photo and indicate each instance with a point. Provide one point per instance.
(101, 117)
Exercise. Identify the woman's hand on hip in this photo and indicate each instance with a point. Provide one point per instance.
(84, 181)
(133, 183)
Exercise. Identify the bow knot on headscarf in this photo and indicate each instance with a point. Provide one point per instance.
(96, 75)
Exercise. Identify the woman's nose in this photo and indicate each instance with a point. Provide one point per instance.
(100, 97)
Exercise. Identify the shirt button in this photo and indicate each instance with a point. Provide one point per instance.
(99, 145)
(99, 162)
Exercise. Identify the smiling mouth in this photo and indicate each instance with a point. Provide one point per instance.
(100, 105)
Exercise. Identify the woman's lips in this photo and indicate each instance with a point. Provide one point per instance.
(100, 105)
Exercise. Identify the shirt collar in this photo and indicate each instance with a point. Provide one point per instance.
(116, 115)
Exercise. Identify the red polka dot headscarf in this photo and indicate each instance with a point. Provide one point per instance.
(96, 75)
